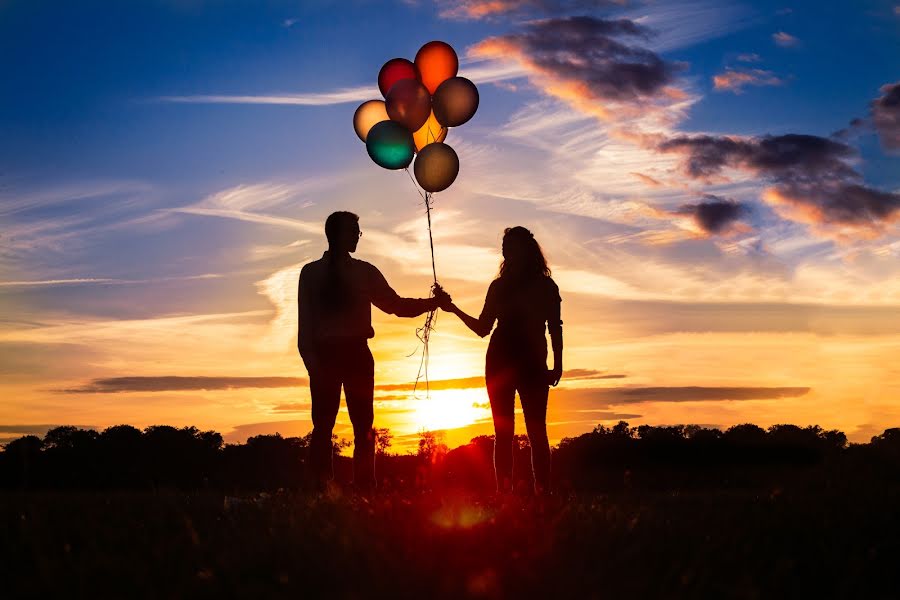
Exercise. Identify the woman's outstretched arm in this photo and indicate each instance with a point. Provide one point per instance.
(480, 326)
(485, 322)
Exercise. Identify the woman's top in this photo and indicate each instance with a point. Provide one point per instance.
(524, 308)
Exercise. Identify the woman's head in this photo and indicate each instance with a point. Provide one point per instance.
(522, 255)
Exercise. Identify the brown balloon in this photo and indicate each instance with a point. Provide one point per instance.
(436, 167)
(408, 103)
(455, 101)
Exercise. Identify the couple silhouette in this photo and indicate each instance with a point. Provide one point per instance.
(334, 302)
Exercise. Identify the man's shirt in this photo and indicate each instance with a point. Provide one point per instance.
(335, 299)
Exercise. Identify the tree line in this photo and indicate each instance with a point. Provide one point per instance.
(605, 459)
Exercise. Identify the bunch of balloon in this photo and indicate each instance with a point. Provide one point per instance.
(423, 99)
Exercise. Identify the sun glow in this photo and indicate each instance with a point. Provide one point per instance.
(450, 409)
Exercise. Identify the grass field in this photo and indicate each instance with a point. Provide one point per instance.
(736, 544)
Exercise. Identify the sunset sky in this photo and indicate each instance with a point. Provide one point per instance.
(716, 185)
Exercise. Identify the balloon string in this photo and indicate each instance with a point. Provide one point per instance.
(424, 332)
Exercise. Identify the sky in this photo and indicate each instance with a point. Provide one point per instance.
(716, 186)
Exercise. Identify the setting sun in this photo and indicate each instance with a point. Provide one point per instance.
(450, 409)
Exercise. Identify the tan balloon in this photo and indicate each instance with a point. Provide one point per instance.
(367, 115)
(429, 133)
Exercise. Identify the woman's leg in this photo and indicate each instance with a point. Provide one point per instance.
(502, 393)
(534, 406)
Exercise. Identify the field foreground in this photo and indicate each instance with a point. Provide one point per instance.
(737, 544)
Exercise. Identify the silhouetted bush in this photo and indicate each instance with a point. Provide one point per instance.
(604, 459)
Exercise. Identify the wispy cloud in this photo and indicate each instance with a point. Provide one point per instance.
(170, 383)
(478, 70)
(784, 39)
(341, 96)
(735, 80)
(105, 281)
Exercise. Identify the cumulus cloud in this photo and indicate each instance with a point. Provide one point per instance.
(886, 116)
(813, 181)
(173, 383)
(735, 80)
(596, 65)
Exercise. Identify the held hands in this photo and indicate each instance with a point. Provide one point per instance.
(442, 298)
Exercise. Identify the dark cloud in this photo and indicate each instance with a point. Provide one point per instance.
(602, 398)
(790, 156)
(814, 182)
(590, 374)
(714, 215)
(35, 429)
(886, 116)
(608, 415)
(170, 383)
(595, 64)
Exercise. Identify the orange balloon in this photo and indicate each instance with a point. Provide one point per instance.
(429, 133)
(436, 62)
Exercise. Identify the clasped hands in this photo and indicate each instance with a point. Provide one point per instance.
(442, 298)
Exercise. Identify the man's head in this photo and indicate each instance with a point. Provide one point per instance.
(342, 231)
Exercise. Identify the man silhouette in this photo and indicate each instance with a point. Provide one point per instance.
(334, 303)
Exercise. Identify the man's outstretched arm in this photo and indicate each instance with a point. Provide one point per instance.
(386, 299)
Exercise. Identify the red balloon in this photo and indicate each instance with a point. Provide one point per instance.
(393, 71)
(408, 103)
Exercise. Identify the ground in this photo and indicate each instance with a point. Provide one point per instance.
(734, 544)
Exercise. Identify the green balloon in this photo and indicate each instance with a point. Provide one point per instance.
(390, 145)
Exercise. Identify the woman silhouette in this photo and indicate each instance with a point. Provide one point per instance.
(521, 299)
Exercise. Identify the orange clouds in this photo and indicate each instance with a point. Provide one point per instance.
(733, 80)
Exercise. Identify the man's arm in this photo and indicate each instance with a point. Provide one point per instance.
(305, 322)
(386, 299)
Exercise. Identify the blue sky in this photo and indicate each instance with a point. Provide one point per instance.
(165, 167)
